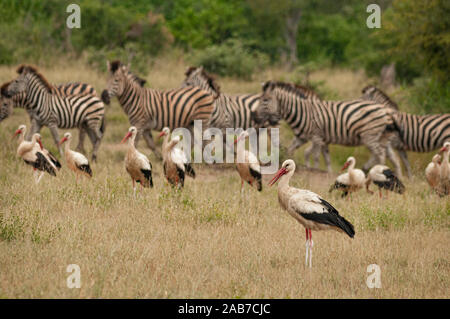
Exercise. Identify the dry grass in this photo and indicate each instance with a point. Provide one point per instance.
(206, 241)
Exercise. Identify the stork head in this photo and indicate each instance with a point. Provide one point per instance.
(350, 160)
(241, 136)
(132, 131)
(288, 167)
(20, 130)
(67, 137)
(436, 159)
(38, 138)
(165, 131)
(445, 148)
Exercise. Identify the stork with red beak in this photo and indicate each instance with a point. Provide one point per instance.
(384, 178)
(351, 181)
(249, 170)
(34, 154)
(137, 164)
(308, 208)
(175, 162)
(76, 161)
(445, 170)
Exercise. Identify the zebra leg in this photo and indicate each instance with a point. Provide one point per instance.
(54, 130)
(378, 155)
(81, 137)
(394, 159)
(404, 158)
(35, 128)
(307, 153)
(296, 143)
(95, 136)
(147, 134)
(326, 157)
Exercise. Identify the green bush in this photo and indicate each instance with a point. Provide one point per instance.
(231, 58)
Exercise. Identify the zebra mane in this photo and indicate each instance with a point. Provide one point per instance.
(115, 65)
(384, 95)
(4, 90)
(307, 90)
(210, 79)
(33, 70)
(289, 87)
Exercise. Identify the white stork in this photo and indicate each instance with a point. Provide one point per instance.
(308, 208)
(351, 181)
(175, 162)
(433, 172)
(445, 169)
(136, 163)
(249, 170)
(384, 177)
(76, 161)
(33, 153)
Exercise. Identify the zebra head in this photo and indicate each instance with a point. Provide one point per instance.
(6, 102)
(116, 81)
(197, 76)
(268, 108)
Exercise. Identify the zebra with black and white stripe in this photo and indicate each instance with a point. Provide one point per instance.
(230, 111)
(8, 102)
(418, 133)
(349, 123)
(149, 109)
(55, 110)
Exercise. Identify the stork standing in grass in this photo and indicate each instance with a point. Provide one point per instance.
(33, 153)
(433, 172)
(175, 162)
(249, 170)
(76, 161)
(384, 177)
(136, 163)
(444, 187)
(308, 208)
(351, 181)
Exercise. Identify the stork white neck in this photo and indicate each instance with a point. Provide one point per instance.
(284, 180)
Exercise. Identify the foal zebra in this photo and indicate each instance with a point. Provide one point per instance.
(8, 102)
(148, 109)
(418, 133)
(56, 110)
(349, 123)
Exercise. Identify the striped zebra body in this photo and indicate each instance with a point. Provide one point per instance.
(423, 133)
(149, 109)
(418, 133)
(55, 110)
(349, 123)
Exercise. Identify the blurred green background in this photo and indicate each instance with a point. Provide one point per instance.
(240, 37)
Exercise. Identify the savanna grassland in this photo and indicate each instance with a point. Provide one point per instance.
(208, 241)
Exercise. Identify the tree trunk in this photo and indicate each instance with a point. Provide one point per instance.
(290, 35)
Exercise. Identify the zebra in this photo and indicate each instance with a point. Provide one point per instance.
(8, 102)
(418, 133)
(349, 123)
(149, 109)
(55, 110)
(230, 111)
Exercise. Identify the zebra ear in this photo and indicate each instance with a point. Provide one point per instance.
(108, 65)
